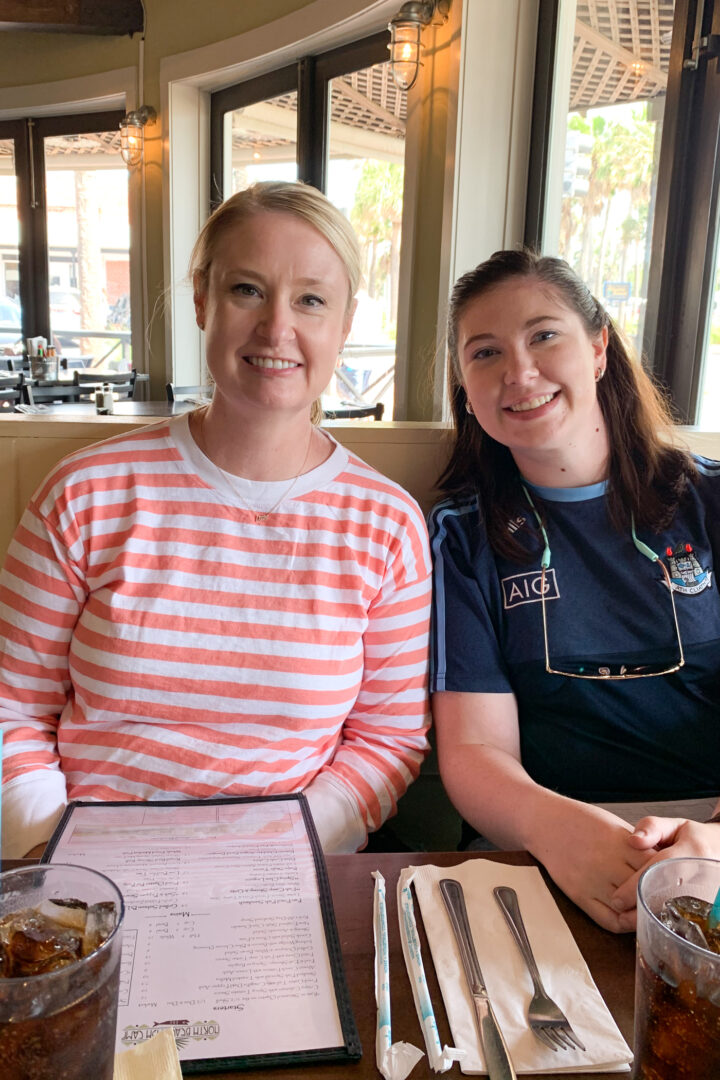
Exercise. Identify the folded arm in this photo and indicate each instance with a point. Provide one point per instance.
(585, 849)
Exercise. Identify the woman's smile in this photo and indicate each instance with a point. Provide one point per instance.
(270, 363)
(532, 407)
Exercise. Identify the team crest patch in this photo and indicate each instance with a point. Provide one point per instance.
(686, 574)
(526, 588)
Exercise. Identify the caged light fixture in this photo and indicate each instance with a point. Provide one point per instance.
(405, 29)
(132, 136)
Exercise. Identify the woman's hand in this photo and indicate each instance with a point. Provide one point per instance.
(661, 838)
(588, 853)
(585, 849)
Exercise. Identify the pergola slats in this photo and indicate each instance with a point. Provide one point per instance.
(621, 52)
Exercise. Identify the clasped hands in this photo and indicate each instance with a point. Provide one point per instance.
(659, 838)
(600, 858)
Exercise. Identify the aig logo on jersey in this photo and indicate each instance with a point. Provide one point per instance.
(526, 588)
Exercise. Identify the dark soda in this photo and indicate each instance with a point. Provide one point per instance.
(677, 1018)
(65, 1042)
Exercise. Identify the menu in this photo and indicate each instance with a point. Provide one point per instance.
(229, 936)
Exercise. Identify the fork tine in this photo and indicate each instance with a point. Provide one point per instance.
(570, 1034)
(555, 1035)
(544, 1038)
(560, 1033)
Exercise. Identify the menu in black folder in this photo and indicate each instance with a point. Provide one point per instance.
(229, 935)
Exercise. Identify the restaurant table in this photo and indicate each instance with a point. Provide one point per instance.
(123, 407)
(610, 957)
(66, 376)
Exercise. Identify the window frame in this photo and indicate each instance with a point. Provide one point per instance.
(273, 83)
(686, 216)
(28, 135)
(682, 265)
(310, 76)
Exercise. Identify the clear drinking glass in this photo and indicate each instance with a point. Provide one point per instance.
(60, 1025)
(677, 983)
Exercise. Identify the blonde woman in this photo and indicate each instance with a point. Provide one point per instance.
(228, 603)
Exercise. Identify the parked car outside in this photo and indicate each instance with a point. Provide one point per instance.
(10, 325)
(65, 309)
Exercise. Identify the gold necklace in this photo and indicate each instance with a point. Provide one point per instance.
(261, 516)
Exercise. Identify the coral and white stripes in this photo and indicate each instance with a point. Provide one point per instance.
(157, 641)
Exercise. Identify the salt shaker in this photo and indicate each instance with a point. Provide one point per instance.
(104, 399)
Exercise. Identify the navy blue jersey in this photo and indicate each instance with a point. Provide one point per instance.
(637, 739)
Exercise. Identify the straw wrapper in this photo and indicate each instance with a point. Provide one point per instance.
(395, 1061)
(440, 1057)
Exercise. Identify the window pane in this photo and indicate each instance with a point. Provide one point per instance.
(618, 81)
(89, 249)
(365, 180)
(10, 311)
(262, 139)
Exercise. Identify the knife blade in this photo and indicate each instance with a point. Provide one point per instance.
(497, 1056)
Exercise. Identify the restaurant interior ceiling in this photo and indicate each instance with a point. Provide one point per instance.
(620, 54)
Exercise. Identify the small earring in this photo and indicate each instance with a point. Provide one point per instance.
(468, 406)
(599, 372)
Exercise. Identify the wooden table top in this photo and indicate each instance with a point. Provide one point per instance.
(610, 957)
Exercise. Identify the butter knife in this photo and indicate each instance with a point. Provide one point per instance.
(497, 1057)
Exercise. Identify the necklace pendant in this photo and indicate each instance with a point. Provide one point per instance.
(259, 518)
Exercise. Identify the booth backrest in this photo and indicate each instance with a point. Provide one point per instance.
(413, 454)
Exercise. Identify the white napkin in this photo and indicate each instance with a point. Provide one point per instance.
(156, 1059)
(564, 972)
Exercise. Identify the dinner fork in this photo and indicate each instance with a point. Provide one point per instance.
(546, 1019)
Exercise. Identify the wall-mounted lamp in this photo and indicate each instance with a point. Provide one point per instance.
(405, 29)
(132, 135)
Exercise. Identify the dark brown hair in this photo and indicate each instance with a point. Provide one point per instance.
(647, 475)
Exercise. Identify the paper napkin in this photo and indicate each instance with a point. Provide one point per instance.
(564, 972)
(156, 1059)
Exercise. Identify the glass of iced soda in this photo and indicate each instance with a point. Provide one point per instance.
(60, 945)
(677, 977)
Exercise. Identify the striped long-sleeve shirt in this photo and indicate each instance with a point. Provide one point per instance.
(160, 642)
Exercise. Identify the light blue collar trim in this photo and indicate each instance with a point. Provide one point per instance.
(567, 495)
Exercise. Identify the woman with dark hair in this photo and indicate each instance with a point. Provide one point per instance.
(576, 659)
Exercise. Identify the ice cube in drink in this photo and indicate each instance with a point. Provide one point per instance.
(59, 977)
